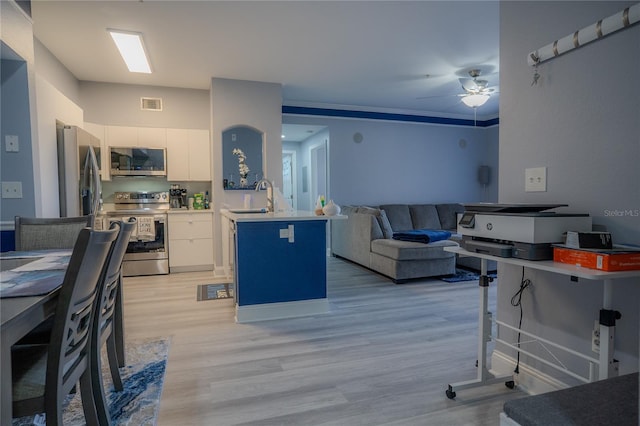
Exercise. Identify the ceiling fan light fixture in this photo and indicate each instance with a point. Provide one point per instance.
(132, 50)
(474, 101)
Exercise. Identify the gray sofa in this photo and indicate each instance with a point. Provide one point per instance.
(366, 238)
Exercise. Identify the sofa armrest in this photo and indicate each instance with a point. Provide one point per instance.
(352, 238)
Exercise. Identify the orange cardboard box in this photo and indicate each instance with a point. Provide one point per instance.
(603, 260)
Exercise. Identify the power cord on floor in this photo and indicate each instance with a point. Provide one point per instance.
(516, 301)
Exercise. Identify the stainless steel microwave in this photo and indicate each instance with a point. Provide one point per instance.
(135, 161)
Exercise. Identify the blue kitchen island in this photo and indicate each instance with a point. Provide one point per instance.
(280, 264)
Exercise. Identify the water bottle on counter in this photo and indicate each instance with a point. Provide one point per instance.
(206, 200)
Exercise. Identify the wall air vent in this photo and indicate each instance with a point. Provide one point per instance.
(151, 104)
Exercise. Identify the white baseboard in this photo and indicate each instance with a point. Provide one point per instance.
(192, 268)
(269, 311)
(529, 380)
(221, 272)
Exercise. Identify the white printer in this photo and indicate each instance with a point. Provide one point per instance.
(525, 231)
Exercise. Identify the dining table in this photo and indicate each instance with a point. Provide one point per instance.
(30, 282)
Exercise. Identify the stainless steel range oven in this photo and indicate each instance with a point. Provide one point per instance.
(148, 251)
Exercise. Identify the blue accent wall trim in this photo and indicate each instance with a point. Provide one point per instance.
(371, 115)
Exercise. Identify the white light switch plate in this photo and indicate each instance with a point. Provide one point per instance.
(11, 189)
(535, 179)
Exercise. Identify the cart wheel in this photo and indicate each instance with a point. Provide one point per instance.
(450, 394)
(510, 384)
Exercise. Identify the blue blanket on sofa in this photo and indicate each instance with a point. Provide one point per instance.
(422, 235)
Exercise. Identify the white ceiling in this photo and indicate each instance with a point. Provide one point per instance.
(367, 55)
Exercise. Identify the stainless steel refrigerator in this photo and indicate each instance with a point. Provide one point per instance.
(78, 171)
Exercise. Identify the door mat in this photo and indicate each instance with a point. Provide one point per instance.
(215, 291)
(465, 275)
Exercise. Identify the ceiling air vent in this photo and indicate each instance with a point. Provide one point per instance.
(151, 104)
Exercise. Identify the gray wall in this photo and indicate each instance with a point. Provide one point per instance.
(582, 121)
(119, 105)
(406, 162)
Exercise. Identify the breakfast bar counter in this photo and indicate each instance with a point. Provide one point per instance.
(279, 263)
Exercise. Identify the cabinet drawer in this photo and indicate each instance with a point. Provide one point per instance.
(190, 226)
(190, 252)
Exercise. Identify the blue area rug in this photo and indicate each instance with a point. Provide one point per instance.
(464, 275)
(139, 402)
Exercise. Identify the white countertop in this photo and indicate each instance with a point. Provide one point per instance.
(277, 216)
(189, 211)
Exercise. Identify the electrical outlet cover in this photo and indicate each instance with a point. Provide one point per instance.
(11, 189)
(535, 179)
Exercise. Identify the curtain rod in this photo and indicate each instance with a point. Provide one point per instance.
(602, 28)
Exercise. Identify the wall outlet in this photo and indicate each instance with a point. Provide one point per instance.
(535, 179)
(11, 189)
(11, 143)
(595, 337)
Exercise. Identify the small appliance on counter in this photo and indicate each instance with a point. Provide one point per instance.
(177, 197)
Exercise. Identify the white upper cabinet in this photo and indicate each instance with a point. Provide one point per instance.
(144, 137)
(152, 137)
(188, 155)
(121, 136)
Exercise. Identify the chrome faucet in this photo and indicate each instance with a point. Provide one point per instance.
(269, 184)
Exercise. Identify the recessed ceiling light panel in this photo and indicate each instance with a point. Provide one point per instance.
(132, 50)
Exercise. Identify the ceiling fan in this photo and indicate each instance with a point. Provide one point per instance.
(477, 92)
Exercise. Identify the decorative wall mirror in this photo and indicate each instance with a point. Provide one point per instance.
(241, 158)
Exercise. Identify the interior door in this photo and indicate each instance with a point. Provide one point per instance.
(289, 178)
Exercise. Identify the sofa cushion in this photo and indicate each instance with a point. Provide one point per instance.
(368, 210)
(399, 216)
(448, 214)
(384, 228)
(424, 216)
(347, 210)
(406, 250)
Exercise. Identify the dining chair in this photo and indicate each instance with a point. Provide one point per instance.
(49, 233)
(104, 319)
(43, 374)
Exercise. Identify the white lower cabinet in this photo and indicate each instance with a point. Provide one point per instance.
(191, 242)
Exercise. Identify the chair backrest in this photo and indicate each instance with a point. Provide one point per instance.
(49, 233)
(71, 332)
(112, 276)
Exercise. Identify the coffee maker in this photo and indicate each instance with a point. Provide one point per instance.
(177, 197)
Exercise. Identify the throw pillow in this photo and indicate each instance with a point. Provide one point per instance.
(387, 231)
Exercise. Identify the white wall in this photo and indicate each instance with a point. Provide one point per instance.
(406, 162)
(52, 106)
(581, 121)
(52, 70)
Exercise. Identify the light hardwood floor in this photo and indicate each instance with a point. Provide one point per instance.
(383, 355)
